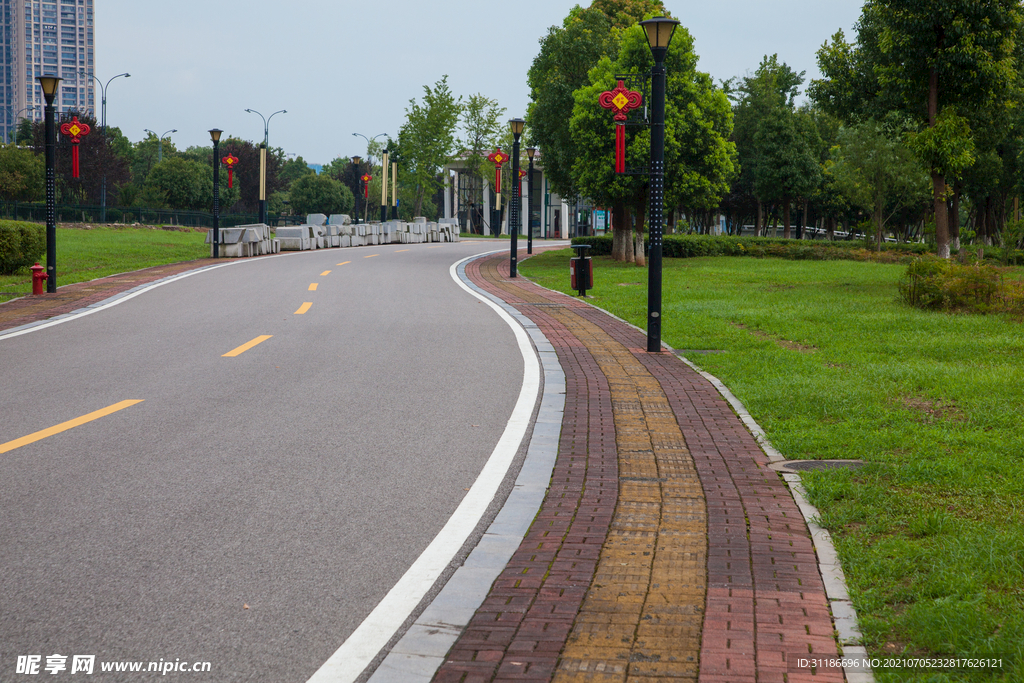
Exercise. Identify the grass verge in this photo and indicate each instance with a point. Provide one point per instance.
(931, 533)
(87, 254)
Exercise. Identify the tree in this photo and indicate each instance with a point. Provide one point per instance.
(247, 171)
(186, 184)
(878, 172)
(293, 169)
(22, 175)
(314, 193)
(426, 141)
(921, 58)
(785, 167)
(698, 122)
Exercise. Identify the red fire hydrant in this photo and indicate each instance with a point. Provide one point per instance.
(38, 278)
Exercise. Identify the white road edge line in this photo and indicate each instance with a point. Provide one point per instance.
(356, 653)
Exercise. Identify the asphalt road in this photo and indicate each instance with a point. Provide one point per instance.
(251, 510)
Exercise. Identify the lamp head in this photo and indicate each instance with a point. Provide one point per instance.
(49, 85)
(516, 126)
(530, 151)
(215, 135)
(659, 35)
(357, 160)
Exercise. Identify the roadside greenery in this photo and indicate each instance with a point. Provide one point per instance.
(21, 245)
(87, 254)
(833, 366)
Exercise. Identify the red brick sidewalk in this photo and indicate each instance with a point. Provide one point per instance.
(69, 298)
(765, 600)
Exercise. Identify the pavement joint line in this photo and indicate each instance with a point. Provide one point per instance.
(359, 650)
(420, 652)
(246, 346)
(65, 426)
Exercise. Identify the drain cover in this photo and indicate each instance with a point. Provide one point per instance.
(808, 465)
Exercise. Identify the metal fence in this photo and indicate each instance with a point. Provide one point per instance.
(73, 213)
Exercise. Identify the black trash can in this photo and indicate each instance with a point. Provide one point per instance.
(581, 270)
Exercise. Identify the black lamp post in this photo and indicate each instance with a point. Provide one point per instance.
(215, 136)
(49, 86)
(263, 159)
(530, 151)
(514, 206)
(659, 35)
(356, 161)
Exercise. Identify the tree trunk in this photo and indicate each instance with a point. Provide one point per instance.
(785, 218)
(760, 222)
(938, 181)
(878, 227)
(831, 229)
(954, 217)
(638, 252)
(620, 232)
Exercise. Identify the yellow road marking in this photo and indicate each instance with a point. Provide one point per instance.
(304, 307)
(312, 287)
(344, 262)
(64, 426)
(401, 250)
(438, 247)
(246, 346)
(326, 272)
(371, 255)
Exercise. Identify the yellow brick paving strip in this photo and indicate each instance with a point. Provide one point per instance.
(643, 613)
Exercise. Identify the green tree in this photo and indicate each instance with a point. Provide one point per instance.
(22, 175)
(314, 193)
(426, 141)
(785, 167)
(186, 184)
(877, 172)
(293, 169)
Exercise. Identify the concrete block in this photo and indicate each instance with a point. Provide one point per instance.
(316, 219)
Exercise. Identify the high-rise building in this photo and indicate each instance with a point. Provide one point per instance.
(40, 37)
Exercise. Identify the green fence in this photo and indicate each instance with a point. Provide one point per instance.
(67, 213)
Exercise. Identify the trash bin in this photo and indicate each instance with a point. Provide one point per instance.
(581, 270)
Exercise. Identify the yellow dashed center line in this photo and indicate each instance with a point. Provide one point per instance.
(433, 247)
(313, 286)
(64, 426)
(344, 262)
(401, 250)
(371, 255)
(325, 273)
(246, 346)
(304, 307)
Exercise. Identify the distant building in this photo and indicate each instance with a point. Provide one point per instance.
(317, 168)
(45, 37)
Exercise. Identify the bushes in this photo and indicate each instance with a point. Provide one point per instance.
(692, 246)
(935, 284)
(21, 245)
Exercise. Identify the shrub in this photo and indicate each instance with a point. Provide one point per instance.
(21, 245)
(935, 284)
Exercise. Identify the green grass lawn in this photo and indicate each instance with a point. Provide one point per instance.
(931, 533)
(98, 252)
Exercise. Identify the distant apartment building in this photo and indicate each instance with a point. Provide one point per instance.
(45, 37)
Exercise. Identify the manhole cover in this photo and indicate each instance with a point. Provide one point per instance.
(808, 465)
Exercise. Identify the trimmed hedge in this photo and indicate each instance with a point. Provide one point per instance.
(21, 245)
(691, 246)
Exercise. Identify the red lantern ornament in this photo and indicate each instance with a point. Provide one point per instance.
(522, 174)
(366, 185)
(76, 130)
(620, 101)
(230, 161)
(497, 157)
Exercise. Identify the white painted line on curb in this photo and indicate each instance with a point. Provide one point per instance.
(356, 653)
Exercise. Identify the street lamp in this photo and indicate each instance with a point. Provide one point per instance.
(530, 152)
(659, 35)
(28, 108)
(515, 206)
(356, 161)
(263, 159)
(103, 124)
(49, 86)
(215, 136)
(160, 143)
(368, 141)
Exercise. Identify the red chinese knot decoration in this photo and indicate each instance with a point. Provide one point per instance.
(497, 157)
(230, 161)
(620, 101)
(366, 185)
(75, 130)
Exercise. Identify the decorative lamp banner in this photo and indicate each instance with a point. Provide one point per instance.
(75, 130)
(230, 161)
(497, 157)
(620, 101)
(366, 185)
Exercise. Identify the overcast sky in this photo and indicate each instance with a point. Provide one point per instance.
(350, 66)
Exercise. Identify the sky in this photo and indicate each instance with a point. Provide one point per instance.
(348, 66)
